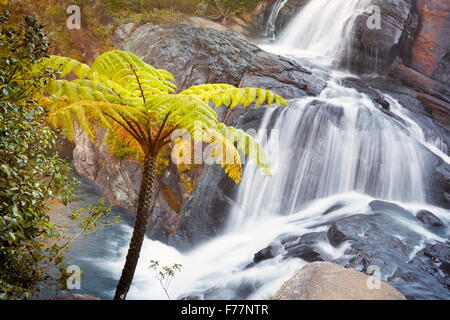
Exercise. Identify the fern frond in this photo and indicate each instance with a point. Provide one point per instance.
(87, 113)
(129, 71)
(186, 113)
(230, 96)
(66, 66)
(247, 145)
(225, 154)
(138, 106)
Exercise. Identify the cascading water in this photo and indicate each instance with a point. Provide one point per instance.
(322, 28)
(272, 19)
(337, 151)
(338, 143)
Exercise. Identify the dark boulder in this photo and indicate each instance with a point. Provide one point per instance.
(267, 253)
(431, 50)
(429, 219)
(435, 260)
(196, 56)
(204, 215)
(374, 49)
(334, 208)
(382, 238)
(304, 247)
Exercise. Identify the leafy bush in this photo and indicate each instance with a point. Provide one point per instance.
(30, 172)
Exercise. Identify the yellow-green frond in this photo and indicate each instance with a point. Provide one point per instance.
(88, 113)
(182, 112)
(230, 96)
(66, 66)
(133, 74)
(247, 145)
(224, 153)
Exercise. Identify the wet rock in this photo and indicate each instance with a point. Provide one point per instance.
(266, 254)
(435, 260)
(430, 53)
(198, 56)
(257, 18)
(365, 88)
(429, 219)
(304, 247)
(204, 215)
(333, 208)
(328, 281)
(374, 49)
(385, 241)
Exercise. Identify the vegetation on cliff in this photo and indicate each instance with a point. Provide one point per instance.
(30, 173)
(99, 19)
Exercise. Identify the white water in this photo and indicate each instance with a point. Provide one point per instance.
(322, 28)
(337, 148)
(271, 21)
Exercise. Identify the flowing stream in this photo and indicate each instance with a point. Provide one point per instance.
(338, 148)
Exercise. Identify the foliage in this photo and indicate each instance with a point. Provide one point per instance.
(165, 274)
(101, 18)
(138, 105)
(31, 174)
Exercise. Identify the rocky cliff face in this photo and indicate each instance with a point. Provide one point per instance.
(375, 48)
(194, 56)
(198, 56)
(431, 50)
(412, 45)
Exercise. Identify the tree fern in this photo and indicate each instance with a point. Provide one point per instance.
(138, 106)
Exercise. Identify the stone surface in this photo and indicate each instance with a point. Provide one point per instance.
(429, 219)
(374, 49)
(124, 31)
(198, 56)
(328, 281)
(382, 237)
(288, 12)
(431, 50)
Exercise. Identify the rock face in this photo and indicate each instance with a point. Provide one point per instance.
(431, 50)
(289, 10)
(380, 237)
(194, 56)
(198, 56)
(414, 34)
(328, 281)
(375, 48)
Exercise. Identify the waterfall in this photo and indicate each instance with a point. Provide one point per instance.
(336, 143)
(272, 19)
(322, 27)
(337, 150)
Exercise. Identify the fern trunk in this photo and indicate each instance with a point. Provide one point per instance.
(140, 227)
